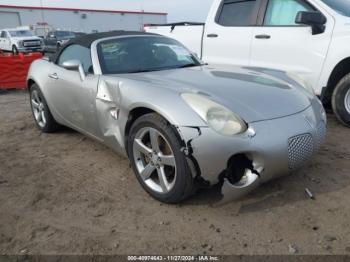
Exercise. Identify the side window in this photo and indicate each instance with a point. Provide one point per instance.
(77, 52)
(284, 12)
(238, 13)
(3, 34)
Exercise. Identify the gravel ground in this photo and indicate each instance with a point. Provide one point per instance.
(63, 193)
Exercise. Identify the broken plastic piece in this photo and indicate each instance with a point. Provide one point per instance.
(248, 183)
(309, 193)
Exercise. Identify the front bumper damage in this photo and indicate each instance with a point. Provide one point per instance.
(268, 149)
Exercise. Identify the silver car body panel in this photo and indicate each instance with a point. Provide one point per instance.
(275, 108)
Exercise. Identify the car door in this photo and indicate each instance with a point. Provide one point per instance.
(5, 43)
(1, 40)
(280, 43)
(51, 39)
(228, 39)
(72, 97)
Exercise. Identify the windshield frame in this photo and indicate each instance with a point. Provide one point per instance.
(338, 11)
(96, 55)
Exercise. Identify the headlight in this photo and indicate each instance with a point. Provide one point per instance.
(216, 116)
(301, 82)
(20, 43)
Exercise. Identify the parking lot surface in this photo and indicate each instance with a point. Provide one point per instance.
(64, 193)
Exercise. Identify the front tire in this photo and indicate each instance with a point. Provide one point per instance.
(41, 112)
(160, 166)
(341, 100)
(14, 50)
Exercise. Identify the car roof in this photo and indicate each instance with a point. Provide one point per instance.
(87, 40)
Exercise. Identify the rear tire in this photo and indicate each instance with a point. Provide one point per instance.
(41, 112)
(341, 100)
(171, 163)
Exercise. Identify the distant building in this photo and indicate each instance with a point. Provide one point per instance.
(80, 20)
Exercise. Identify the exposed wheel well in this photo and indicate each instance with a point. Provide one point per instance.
(341, 69)
(133, 115)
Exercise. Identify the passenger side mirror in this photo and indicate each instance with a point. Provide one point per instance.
(313, 18)
(75, 65)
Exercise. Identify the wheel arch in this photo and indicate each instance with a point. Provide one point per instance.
(339, 71)
(136, 113)
(30, 82)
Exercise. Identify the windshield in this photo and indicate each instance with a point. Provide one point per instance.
(64, 34)
(21, 33)
(341, 6)
(143, 54)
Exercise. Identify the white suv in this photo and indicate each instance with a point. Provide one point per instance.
(19, 40)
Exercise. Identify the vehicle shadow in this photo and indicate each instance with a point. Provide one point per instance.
(326, 172)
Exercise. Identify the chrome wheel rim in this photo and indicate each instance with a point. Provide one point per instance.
(154, 160)
(347, 101)
(38, 108)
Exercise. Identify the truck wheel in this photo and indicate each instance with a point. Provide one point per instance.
(14, 50)
(341, 100)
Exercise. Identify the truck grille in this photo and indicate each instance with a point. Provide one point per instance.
(300, 149)
(31, 43)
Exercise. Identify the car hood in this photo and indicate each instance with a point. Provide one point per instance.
(26, 38)
(253, 93)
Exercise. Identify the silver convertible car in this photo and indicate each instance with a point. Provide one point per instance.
(183, 124)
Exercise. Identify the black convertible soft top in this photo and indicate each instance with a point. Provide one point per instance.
(87, 40)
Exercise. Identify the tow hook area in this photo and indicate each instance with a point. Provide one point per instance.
(239, 179)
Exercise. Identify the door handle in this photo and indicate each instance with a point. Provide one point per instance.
(212, 35)
(53, 76)
(262, 36)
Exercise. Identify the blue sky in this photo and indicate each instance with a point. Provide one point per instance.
(178, 10)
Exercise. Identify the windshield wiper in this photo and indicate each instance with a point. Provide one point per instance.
(162, 68)
(188, 65)
(140, 71)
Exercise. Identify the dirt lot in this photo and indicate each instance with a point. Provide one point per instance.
(66, 194)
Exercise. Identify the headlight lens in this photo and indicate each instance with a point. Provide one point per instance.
(216, 116)
(20, 43)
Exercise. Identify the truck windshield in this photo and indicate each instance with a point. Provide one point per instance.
(341, 6)
(143, 54)
(64, 34)
(21, 33)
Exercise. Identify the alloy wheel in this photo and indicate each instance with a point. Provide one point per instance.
(38, 108)
(154, 159)
(347, 101)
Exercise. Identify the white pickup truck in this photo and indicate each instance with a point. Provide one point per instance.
(20, 40)
(308, 38)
